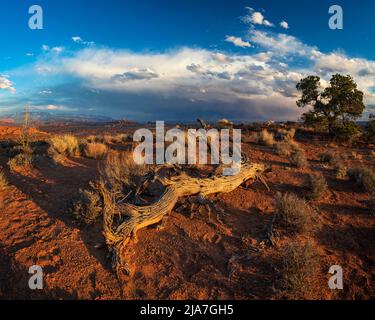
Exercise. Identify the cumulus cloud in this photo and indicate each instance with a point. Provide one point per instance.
(186, 83)
(238, 42)
(6, 84)
(256, 18)
(284, 24)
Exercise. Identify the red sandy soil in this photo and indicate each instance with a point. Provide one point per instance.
(188, 258)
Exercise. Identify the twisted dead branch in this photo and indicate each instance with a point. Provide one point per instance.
(137, 217)
(122, 220)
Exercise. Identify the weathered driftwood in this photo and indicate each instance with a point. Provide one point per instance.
(138, 217)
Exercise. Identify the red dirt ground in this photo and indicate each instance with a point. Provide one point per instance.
(188, 258)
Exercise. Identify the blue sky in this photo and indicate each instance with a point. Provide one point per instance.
(176, 60)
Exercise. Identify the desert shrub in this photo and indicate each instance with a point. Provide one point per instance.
(292, 213)
(298, 158)
(340, 170)
(66, 145)
(363, 177)
(286, 135)
(265, 138)
(317, 185)
(283, 149)
(300, 263)
(95, 150)
(326, 157)
(22, 160)
(88, 206)
(120, 174)
(371, 205)
(3, 180)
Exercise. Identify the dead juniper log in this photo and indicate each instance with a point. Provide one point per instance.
(131, 218)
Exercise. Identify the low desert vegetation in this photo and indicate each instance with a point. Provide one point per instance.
(95, 150)
(327, 157)
(317, 185)
(299, 265)
(363, 177)
(21, 161)
(265, 138)
(293, 214)
(121, 175)
(285, 135)
(283, 149)
(340, 170)
(298, 158)
(88, 206)
(65, 145)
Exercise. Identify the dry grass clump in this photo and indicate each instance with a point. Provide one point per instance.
(3, 180)
(66, 145)
(299, 265)
(286, 135)
(88, 206)
(317, 185)
(298, 158)
(341, 170)
(363, 177)
(22, 160)
(265, 138)
(95, 150)
(121, 175)
(293, 214)
(286, 148)
(326, 157)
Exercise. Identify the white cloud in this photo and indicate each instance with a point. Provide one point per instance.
(57, 50)
(238, 42)
(51, 107)
(284, 24)
(78, 39)
(6, 84)
(256, 18)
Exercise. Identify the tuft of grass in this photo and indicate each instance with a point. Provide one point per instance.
(65, 145)
(3, 180)
(293, 214)
(363, 177)
(88, 206)
(326, 157)
(299, 265)
(341, 170)
(298, 158)
(283, 149)
(317, 185)
(265, 138)
(22, 160)
(95, 150)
